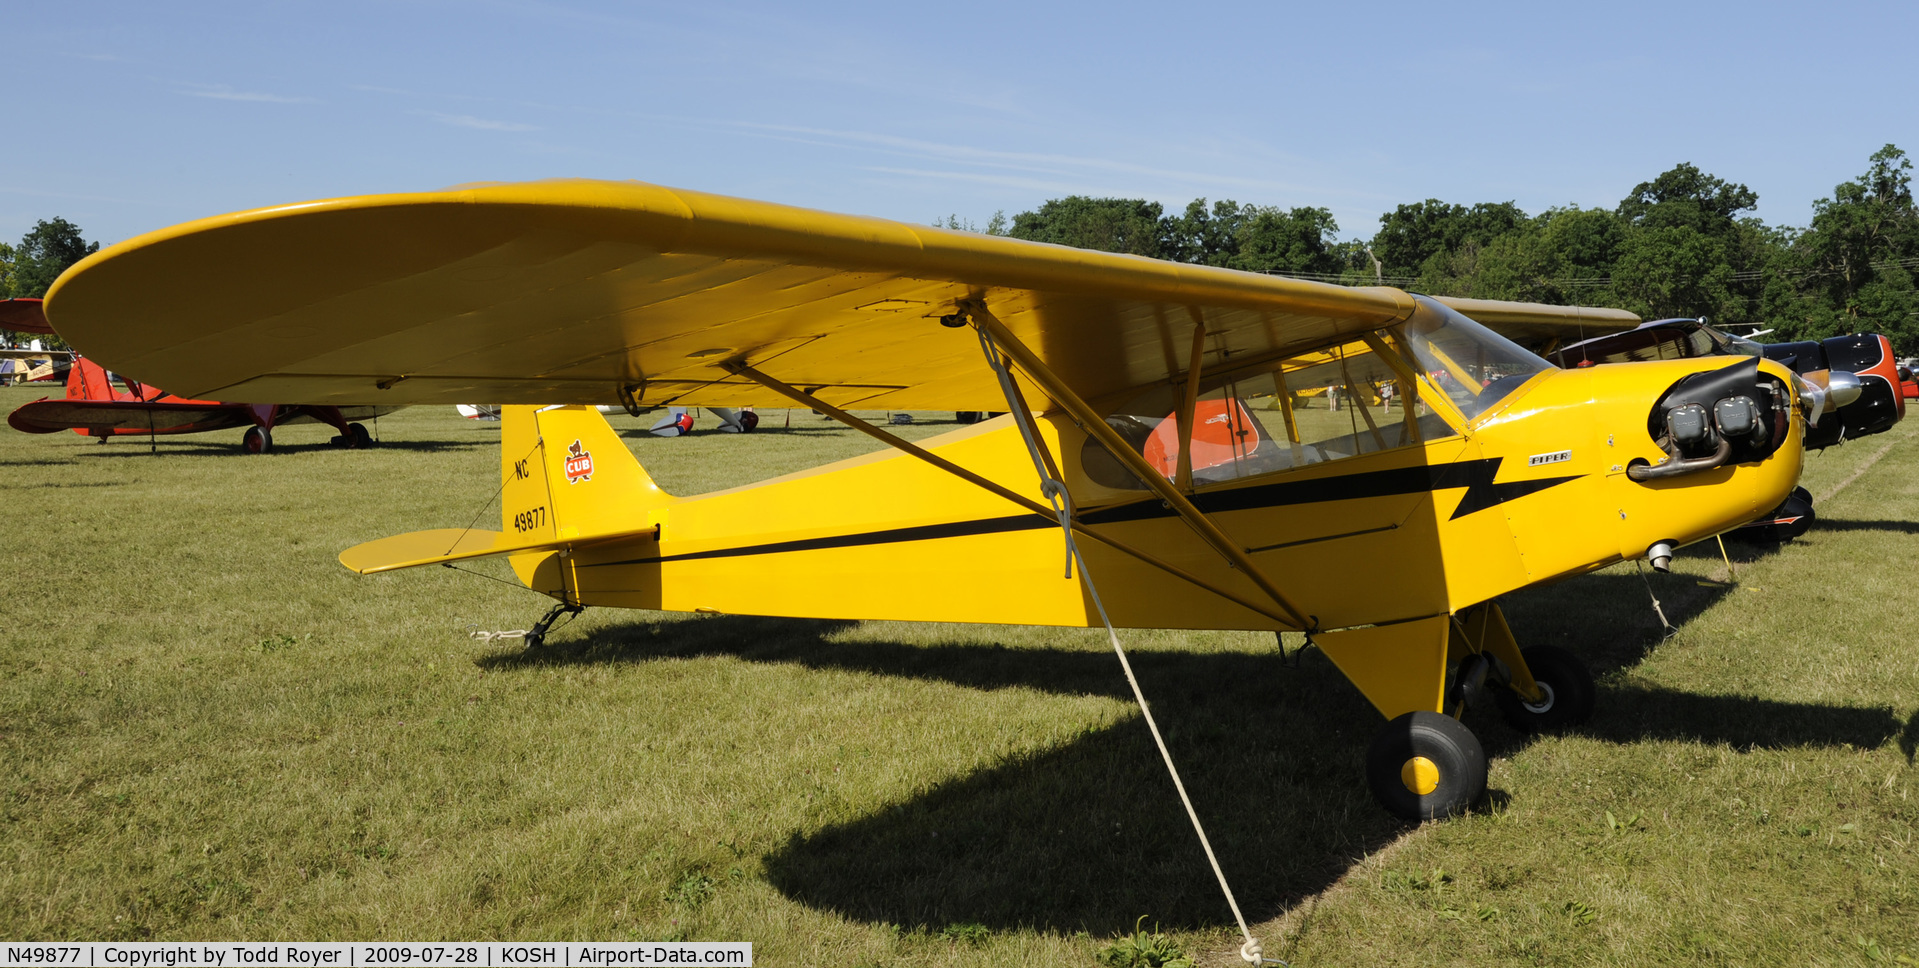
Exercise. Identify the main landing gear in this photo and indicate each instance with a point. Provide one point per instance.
(258, 440)
(1426, 765)
(356, 437)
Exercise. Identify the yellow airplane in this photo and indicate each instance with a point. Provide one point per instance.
(1384, 530)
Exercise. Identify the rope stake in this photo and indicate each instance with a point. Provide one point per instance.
(1056, 493)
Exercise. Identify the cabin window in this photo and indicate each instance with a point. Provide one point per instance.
(1337, 402)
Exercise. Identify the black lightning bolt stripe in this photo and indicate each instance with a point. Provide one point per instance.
(1476, 476)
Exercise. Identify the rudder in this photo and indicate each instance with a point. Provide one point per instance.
(565, 474)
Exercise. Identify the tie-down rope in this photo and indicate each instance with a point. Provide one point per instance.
(1055, 492)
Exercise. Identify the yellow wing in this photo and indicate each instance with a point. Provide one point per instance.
(567, 291)
(1540, 327)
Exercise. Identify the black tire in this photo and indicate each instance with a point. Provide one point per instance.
(357, 432)
(1426, 766)
(1569, 692)
(967, 416)
(257, 440)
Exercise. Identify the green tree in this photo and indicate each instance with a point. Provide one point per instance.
(1255, 238)
(1130, 225)
(1686, 251)
(1411, 235)
(1675, 270)
(1856, 262)
(1271, 239)
(1688, 197)
(44, 252)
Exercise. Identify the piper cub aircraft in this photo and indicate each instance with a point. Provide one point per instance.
(1154, 422)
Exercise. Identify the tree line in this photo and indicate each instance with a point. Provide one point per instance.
(1678, 245)
(29, 269)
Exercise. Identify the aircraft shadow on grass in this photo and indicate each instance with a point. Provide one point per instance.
(1845, 524)
(139, 447)
(1089, 834)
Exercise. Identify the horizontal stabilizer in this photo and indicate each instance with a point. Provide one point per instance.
(443, 545)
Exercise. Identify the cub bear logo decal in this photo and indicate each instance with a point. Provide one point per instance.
(579, 463)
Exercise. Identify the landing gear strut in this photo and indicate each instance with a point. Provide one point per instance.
(1425, 765)
(536, 636)
(1566, 693)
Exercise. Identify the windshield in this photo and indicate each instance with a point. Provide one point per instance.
(1471, 364)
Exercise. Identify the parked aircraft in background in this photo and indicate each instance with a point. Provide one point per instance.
(94, 407)
(23, 365)
(1867, 356)
(1385, 531)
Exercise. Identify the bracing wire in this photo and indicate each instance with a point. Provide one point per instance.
(489, 501)
(1054, 490)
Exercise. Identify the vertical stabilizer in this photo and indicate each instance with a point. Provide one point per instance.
(87, 380)
(566, 475)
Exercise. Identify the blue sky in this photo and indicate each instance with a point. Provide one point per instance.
(127, 117)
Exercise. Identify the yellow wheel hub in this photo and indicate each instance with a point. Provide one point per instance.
(1420, 775)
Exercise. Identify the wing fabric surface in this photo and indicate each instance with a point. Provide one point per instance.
(567, 291)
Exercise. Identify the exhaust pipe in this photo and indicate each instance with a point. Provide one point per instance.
(1673, 465)
(1660, 555)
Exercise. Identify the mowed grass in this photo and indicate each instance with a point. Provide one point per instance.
(208, 729)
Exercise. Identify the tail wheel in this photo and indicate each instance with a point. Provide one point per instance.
(359, 435)
(1426, 766)
(257, 440)
(1566, 688)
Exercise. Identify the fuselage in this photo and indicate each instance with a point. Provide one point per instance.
(1379, 528)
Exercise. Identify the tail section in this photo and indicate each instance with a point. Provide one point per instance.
(567, 476)
(566, 479)
(87, 380)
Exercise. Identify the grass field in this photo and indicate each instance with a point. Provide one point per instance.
(210, 730)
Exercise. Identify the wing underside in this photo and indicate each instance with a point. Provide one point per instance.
(1543, 328)
(567, 292)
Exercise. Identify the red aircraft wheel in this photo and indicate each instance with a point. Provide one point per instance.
(1567, 686)
(1426, 766)
(257, 440)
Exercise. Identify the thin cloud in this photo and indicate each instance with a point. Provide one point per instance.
(478, 124)
(1035, 163)
(1001, 181)
(221, 92)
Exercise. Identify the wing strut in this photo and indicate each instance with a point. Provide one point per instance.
(1055, 490)
(1091, 422)
(912, 449)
